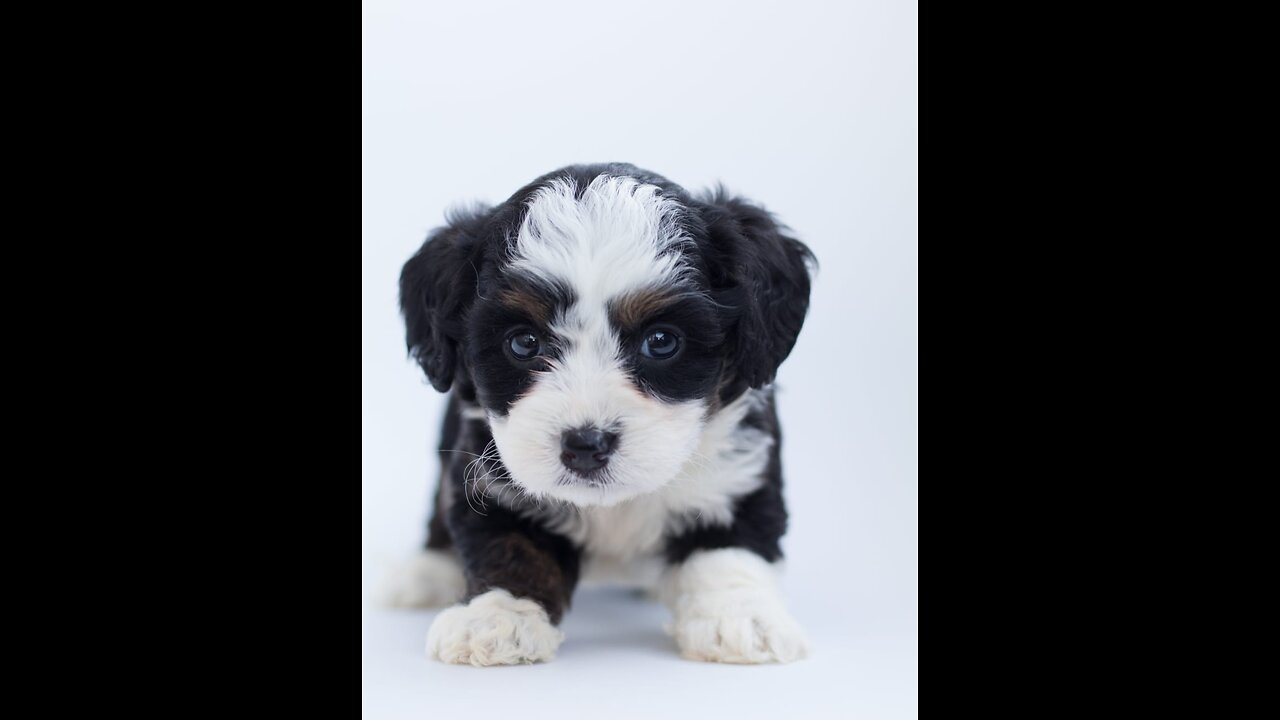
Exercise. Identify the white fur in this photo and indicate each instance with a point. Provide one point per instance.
(728, 608)
(429, 579)
(617, 237)
(494, 629)
(644, 573)
(620, 236)
(727, 464)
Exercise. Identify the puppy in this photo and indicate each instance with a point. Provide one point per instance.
(608, 341)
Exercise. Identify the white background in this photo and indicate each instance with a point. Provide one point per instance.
(808, 107)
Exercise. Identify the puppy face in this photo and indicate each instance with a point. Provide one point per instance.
(598, 355)
(603, 316)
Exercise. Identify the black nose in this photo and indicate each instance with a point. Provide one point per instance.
(586, 449)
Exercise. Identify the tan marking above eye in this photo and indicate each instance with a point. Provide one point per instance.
(636, 308)
(536, 307)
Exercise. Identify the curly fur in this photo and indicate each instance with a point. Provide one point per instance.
(591, 260)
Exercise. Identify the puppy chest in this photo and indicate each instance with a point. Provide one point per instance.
(623, 532)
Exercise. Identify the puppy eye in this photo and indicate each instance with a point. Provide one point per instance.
(524, 345)
(660, 345)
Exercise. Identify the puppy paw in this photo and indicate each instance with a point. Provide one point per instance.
(494, 629)
(728, 608)
(433, 578)
(736, 626)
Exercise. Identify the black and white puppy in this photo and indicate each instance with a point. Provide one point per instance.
(609, 341)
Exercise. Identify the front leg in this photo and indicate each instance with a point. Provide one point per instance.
(728, 608)
(519, 581)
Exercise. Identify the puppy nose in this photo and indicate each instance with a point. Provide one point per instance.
(586, 449)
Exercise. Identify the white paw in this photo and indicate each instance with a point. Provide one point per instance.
(736, 626)
(431, 578)
(494, 629)
(728, 608)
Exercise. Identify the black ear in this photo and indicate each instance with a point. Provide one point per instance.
(765, 275)
(436, 289)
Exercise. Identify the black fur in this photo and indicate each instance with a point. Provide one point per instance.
(695, 370)
(760, 518)
(750, 298)
(764, 276)
(502, 549)
(450, 440)
(436, 288)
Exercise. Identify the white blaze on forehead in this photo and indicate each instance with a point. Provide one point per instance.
(621, 235)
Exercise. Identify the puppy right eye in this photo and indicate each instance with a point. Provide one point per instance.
(524, 345)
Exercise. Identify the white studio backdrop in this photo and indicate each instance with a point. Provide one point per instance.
(810, 108)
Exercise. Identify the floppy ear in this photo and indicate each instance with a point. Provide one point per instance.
(767, 274)
(437, 285)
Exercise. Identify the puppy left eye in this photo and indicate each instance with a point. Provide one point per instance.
(660, 345)
(524, 345)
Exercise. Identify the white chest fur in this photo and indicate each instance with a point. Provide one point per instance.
(729, 463)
